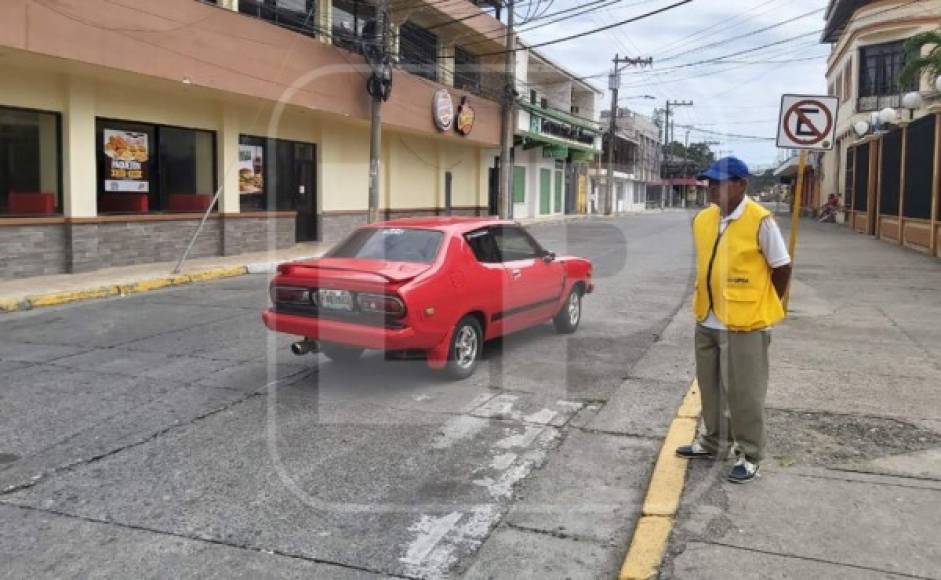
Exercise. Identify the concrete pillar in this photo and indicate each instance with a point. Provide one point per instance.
(80, 187)
(230, 4)
(228, 160)
(324, 20)
(446, 64)
(79, 148)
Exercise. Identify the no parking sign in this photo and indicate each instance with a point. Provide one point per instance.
(807, 122)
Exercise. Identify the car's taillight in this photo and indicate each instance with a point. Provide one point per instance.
(381, 304)
(289, 294)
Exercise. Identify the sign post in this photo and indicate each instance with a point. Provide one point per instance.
(807, 123)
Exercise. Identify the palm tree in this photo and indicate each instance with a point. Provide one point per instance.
(919, 64)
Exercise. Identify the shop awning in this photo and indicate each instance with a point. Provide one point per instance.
(537, 140)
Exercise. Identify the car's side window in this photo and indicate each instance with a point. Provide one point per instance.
(484, 246)
(514, 244)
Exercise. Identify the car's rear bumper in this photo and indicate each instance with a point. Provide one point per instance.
(364, 336)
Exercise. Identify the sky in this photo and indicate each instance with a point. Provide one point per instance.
(739, 95)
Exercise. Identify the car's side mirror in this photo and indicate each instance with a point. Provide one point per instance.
(548, 256)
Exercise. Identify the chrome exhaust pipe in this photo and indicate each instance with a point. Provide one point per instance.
(302, 347)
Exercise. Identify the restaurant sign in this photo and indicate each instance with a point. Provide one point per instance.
(443, 110)
(465, 117)
(126, 157)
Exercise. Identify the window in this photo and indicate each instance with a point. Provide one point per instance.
(879, 67)
(30, 170)
(515, 244)
(848, 80)
(349, 21)
(533, 97)
(418, 51)
(544, 103)
(484, 246)
(297, 15)
(390, 244)
(466, 70)
(144, 168)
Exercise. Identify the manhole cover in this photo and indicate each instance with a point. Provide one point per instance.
(8, 457)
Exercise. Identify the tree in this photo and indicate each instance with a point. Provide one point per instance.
(918, 63)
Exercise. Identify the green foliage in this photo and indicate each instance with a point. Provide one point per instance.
(917, 63)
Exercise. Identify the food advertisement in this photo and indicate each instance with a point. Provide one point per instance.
(251, 169)
(127, 154)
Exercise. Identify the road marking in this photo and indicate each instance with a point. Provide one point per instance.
(663, 495)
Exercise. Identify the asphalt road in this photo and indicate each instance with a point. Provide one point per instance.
(169, 434)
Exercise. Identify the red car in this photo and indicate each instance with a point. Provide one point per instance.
(435, 286)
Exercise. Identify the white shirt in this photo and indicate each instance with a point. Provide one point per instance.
(770, 241)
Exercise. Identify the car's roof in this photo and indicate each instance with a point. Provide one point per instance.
(443, 223)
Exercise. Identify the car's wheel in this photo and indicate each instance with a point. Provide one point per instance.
(566, 321)
(340, 353)
(467, 343)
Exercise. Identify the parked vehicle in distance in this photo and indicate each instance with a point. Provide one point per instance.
(440, 287)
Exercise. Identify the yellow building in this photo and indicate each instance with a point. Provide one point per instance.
(885, 164)
(120, 121)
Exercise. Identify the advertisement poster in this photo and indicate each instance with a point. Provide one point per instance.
(127, 154)
(251, 169)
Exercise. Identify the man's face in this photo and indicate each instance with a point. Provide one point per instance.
(721, 192)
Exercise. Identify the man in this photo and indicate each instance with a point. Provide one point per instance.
(743, 270)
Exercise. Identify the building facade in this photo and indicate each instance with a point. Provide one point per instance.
(120, 121)
(636, 163)
(885, 164)
(557, 138)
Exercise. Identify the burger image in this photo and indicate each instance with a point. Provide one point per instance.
(247, 183)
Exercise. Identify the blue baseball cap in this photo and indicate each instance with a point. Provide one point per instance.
(726, 169)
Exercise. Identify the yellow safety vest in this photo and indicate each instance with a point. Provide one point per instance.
(733, 278)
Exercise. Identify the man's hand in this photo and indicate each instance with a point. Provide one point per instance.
(781, 277)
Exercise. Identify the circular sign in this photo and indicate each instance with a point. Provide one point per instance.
(807, 131)
(465, 118)
(443, 109)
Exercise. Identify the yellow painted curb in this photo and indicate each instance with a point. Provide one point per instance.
(10, 305)
(66, 297)
(647, 548)
(217, 273)
(649, 543)
(154, 284)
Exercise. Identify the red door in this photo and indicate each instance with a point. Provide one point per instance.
(535, 284)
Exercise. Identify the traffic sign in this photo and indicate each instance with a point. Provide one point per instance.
(807, 122)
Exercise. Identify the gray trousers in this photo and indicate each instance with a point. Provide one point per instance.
(732, 369)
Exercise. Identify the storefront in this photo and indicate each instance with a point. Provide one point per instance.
(111, 158)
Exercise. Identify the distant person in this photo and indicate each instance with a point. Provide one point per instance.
(828, 213)
(743, 270)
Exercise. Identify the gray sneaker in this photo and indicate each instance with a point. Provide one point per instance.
(744, 471)
(695, 450)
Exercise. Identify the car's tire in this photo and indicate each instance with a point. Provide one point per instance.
(569, 317)
(467, 343)
(340, 353)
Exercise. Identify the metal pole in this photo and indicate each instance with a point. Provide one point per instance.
(375, 127)
(614, 85)
(795, 216)
(509, 120)
(199, 228)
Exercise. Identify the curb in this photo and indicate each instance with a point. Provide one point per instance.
(652, 533)
(57, 298)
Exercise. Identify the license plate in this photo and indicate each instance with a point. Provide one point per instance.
(335, 299)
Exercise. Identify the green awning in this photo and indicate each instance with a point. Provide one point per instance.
(548, 140)
(561, 116)
(555, 152)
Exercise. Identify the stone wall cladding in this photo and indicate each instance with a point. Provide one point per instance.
(81, 247)
(28, 250)
(335, 227)
(243, 235)
(126, 243)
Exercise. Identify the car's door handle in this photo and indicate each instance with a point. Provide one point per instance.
(517, 273)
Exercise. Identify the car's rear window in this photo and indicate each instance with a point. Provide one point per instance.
(391, 244)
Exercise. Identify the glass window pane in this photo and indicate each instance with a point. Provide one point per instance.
(514, 244)
(29, 162)
(127, 168)
(390, 244)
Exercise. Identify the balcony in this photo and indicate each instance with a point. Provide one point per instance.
(556, 127)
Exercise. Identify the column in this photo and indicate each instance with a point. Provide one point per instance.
(324, 20)
(227, 160)
(79, 178)
(446, 64)
(230, 4)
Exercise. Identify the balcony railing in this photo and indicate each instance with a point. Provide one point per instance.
(877, 103)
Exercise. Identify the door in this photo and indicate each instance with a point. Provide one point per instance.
(493, 191)
(545, 191)
(519, 191)
(558, 192)
(535, 285)
(294, 183)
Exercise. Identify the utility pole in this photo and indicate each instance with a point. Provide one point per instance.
(509, 118)
(378, 87)
(614, 83)
(668, 133)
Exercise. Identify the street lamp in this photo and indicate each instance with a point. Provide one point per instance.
(861, 128)
(888, 116)
(912, 100)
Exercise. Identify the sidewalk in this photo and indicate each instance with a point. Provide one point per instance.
(27, 293)
(852, 485)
